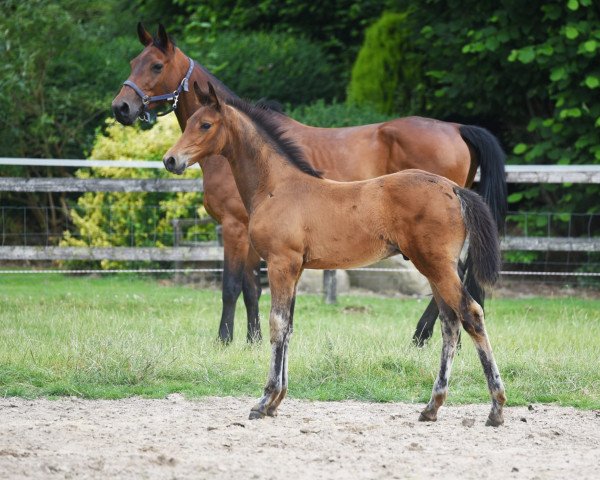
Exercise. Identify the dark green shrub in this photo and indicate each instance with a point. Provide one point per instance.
(385, 71)
(274, 65)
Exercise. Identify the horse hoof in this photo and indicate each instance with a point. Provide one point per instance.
(272, 412)
(254, 339)
(255, 415)
(427, 416)
(494, 420)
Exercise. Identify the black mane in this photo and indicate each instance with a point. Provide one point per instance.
(267, 122)
(221, 87)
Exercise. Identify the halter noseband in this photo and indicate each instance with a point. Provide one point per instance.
(168, 97)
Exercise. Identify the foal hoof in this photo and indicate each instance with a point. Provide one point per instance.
(255, 415)
(272, 411)
(494, 420)
(427, 416)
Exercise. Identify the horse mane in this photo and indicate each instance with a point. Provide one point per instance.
(221, 87)
(262, 116)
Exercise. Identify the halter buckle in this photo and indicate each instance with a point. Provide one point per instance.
(175, 99)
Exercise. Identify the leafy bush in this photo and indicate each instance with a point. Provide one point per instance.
(386, 71)
(320, 114)
(140, 218)
(275, 65)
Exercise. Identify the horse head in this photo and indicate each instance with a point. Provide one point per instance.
(156, 76)
(204, 134)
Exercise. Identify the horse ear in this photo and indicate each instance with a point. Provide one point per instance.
(202, 97)
(213, 96)
(143, 35)
(163, 38)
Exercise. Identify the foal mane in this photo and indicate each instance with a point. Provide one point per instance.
(262, 116)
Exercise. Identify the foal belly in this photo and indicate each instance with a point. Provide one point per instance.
(348, 255)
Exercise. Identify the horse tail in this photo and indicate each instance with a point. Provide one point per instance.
(484, 244)
(491, 158)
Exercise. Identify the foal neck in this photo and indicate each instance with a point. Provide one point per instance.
(257, 165)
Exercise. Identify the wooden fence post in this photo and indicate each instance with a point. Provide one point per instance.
(329, 287)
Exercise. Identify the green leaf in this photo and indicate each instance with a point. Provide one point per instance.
(590, 46)
(571, 32)
(597, 124)
(515, 197)
(519, 148)
(573, 5)
(527, 54)
(558, 74)
(592, 81)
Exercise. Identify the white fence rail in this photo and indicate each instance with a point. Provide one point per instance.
(585, 174)
(514, 173)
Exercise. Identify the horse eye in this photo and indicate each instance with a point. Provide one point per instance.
(205, 126)
(157, 67)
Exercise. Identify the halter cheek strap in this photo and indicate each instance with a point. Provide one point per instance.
(168, 97)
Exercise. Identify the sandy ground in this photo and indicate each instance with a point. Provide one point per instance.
(212, 438)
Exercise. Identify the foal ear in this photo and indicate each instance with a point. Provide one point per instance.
(143, 35)
(213, 96)
(203, 97)
(163, 38)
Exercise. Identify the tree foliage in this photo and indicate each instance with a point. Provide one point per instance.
(529, 71)
(386, 68)
(61, 64)
(278, 66)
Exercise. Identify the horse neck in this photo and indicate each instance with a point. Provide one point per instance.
(187, 100)
(256, 166)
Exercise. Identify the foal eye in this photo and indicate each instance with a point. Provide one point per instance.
(157, 67)
(205, 126)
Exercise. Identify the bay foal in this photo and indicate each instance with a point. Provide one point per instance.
(299, 220)
(345, 154)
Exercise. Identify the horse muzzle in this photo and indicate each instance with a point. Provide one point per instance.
(174, 164)
(126, 112)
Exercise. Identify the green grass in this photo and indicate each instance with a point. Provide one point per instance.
(120, 336)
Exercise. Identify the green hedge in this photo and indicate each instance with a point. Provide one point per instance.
(278, 66)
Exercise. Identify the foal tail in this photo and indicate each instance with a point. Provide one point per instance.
(491, 157)
(484, 244)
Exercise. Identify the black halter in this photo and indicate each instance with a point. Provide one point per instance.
(168, 97)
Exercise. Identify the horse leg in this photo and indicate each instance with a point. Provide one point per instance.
(471, 316)
(283, 277)
(235, 246)
(252, 289)
(424, 329)
(472, 319)
(450, 326)
(272, 410)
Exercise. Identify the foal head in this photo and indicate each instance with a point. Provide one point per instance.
(156, 71)
(205, 133)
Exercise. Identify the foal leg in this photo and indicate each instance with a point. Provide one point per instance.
(252, 289)
(450, 326)
(283, 277)
(235, 246)
(470, 314)
(272, 410)
(424, 329)
(472, 320)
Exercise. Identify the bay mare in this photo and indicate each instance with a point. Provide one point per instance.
(298, 220)
(345, 154)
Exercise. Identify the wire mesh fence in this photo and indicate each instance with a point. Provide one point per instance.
(170, 226)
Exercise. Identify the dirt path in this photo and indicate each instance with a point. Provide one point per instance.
(211, 438)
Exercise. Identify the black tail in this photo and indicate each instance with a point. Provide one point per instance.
(484, 243)
(491, 157)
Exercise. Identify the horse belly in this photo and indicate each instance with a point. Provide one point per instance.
(349, 246)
